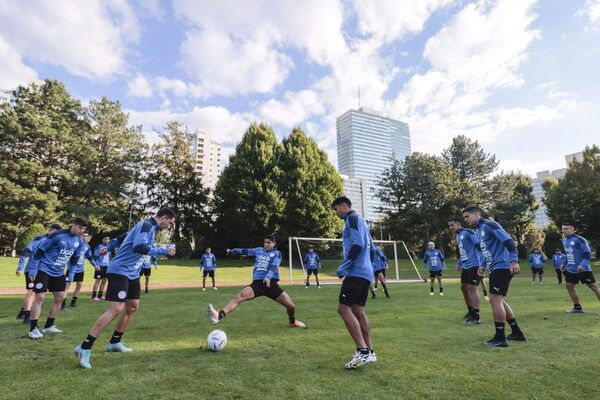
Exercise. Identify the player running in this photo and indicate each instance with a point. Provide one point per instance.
(501, 258)
(379, 266)
(558, 261)
(264, 283)
(86, 252)
(313, 265)
(434, 262)
(103, 255)
(577, 268)
(209, 263)
(537, 261)
(124, 289)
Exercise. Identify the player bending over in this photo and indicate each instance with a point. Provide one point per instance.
(79, 272)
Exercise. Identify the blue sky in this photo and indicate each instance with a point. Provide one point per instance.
(520, 76)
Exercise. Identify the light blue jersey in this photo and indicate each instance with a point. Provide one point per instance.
(578, 253)
(312, 261)
(469, 255)
(266, 263)
(208, 261)
(537, 260)
(433, 260)
(359, 251)
(558, 260)
(61, 250)
(102, 260)
(26, 256)
(381, 261)
(85, 253)
(497, 247)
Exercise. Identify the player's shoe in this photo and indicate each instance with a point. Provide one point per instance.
(431, 293)
(73, 305)
(473, 321)
(51, 329)
(305, 286)
(517, 337)
(83, 355)
(318, 286)
(358, 360)
(387, 294)
(204, 289)
(298, 324)
(574, 310)
(496, 343)
(541, 283)
(20, 316)
(373, 295)
(35, 334)
(118, 347)
(96, 299)
(441, 293)
(215, 288)
(372, 357)
(27, 319)
(486, 298)
(213, 315)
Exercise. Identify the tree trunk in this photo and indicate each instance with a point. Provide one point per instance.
(13, 250)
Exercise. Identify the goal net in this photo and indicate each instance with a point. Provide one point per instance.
(401, 266)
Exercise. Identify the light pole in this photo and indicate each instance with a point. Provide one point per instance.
(130, 200)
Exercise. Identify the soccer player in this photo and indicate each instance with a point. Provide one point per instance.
(103, 255)
(469, 261)
(500, 256)
(146, 269)
(79, 271)
(63, 247)
(209, 263)
(264, 283)
(433, 261)
(577, 268)
(357, 272)
(537, 261)
(124, 289)
(379, 267)
(559, 260)
(313, 265)
(25, 259)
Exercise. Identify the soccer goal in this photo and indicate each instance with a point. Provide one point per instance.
(401, 266)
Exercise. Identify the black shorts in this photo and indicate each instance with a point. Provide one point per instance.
(499, 281)
(312, 271)
(470, 276)
(577, 277)
(260, 289)
(354, 291)
(379, 271)
(537, 270)
(78, 277)
(121, 288)
(206, 273)
(46, 283)
(100, 274)
(28, 284)
(145, 271)
(433, 274)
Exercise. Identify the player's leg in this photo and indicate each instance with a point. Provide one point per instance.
(36, 309)
(499, 314)
(352, 325)
(473, 295)
(532, 276)
(594, 288)
(103, 284)
(204, 280)
(431, 283)
(63, 306)
(381, 277)
(541, 276)
(76, 294)
(440, 285)
(516, 333)
(559, 276)
(245, 294)
(353, 297)
(363, 321)
(372, 290)
(464, 288)
(484, 288)
(212, 278)
(307, 282)
(55, 307)
(96, 285)
(316, 273)
(573, 294)
(285, 300)
(146, 282)
(115, 344)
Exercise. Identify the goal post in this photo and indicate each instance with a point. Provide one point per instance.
(401, 266)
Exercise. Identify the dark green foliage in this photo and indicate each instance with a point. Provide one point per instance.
(28, 234)
(553, 240)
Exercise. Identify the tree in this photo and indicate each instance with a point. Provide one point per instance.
(309, 183)
(552, 240)
(575, 198)
(533, 238)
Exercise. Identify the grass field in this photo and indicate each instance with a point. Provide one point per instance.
(424, 350)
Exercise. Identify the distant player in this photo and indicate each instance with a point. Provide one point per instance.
(264, 283)
(209, 264)
(501, 258)
(63, 247)
(380, 265)
(313, 265)
(357, 272)
(79, 271)
(537, 261)
(434, 262)
(25, 259)
(103, 255)
(146, 269)
(124, 282)
(577, 268)
(469, 261)
(559, 260)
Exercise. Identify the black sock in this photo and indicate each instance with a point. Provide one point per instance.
(484, 292)
(116, 337)
(514, 326)
(441, 289)
(26, 314)
(49, 322)
(88, 342)
(577, 306)
(33, 324)
(431, 287)
(64, 302)
(222, 314)
(94, 294)
(22, 312)
(475, 312)
(470, 310)
(364, 351)
(100, 293)
(73, 300)
(376, 285)
(384, 287)
(499, 331)
(290, 313)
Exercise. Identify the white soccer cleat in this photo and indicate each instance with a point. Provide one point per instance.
(357, 360)
(52, 329)
(372, 358)
(215, 288)
(35, 334)
(431, 293)
(441, 293)
(204, 289)
(213, 315)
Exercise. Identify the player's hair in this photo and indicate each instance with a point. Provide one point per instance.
(56, 227)
(341, 200)
(81, 221)
(558, 250)
(208, 248)
(166, 212)
(455, 219)
(567, 223)
(428, 243)
(271, 237)
(471, 209)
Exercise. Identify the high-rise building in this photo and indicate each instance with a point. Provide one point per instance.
(356, 190)
(6, 96)
(207, 157)
(541, 218)
(367, 141)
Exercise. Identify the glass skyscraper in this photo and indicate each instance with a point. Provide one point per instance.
(367, 140)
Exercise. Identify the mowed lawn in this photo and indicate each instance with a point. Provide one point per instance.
(424, 350)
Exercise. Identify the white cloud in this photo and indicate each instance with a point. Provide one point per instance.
(13, 72)
(295, 108)
(175, 86)
(591, 11)
(139, 87)
(88, 39)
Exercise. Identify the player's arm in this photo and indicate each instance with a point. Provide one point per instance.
(586, 254)
(37, 256)
(141, 243)
(442, 259)
(214, 259)
(356, 239)
(73, 261)
(91, 258)
(342, 270)
(318, 261)
(251, 252)
(27, 253)
(425, 261)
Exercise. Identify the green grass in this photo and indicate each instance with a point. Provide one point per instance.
(424, 350)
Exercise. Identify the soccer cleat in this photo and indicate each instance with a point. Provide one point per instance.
(441, 293)
(51, 329)
(467, 316)
(318, 287)
(574, 310)
(517, 337)
(83, 355)
(146, 291)
(358, 360)
(372, 357)
(486, 298)
(473, 321)
(35, 334)
(73, 304)
(306, 287)
(373, 296)
(213, 315)
(496, 343)
(204, 289)
(431, 293)
(118, 347)
(96, 299)
(26, 319)
(215, 288)
(20, 316)
(298, 324)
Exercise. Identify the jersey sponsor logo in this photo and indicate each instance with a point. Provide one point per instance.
(122, 294)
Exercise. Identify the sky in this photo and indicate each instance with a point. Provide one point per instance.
(519, 76)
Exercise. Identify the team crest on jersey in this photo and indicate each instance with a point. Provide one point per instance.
(462, 237)
(572, 243)
(271, 255)
(482, 233)
(76, 244)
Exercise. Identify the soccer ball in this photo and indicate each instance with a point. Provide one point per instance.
(216, 340)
